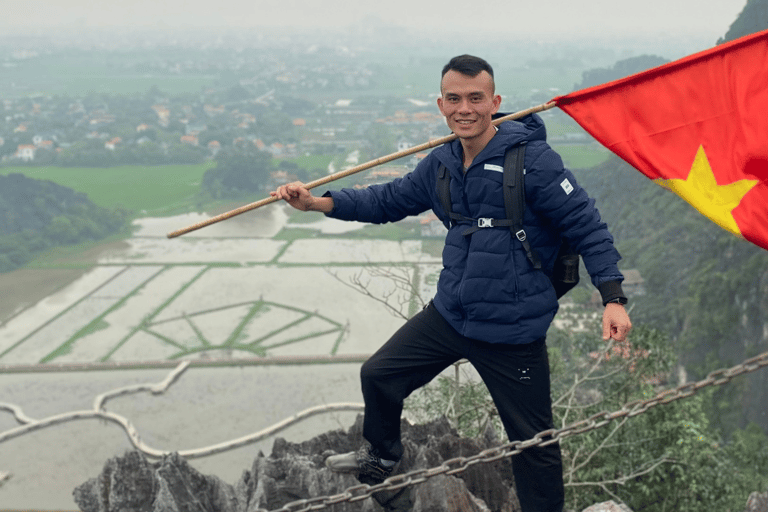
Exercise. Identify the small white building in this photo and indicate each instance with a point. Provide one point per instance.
(25, 152)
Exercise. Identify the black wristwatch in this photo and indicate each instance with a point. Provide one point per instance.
(617, 300)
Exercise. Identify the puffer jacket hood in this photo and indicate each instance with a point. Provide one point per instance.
(488, 290)
(510, 133)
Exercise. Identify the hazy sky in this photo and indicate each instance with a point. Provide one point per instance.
(591, 18)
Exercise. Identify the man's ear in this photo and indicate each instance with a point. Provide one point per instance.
(496, 103)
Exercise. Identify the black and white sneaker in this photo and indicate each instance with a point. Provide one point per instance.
(365, 463)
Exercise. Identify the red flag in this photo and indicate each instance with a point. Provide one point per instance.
(698, 126)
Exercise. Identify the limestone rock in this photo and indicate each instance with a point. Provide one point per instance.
(132, 483)
(757, 502)
(608, 506)
(296, 471)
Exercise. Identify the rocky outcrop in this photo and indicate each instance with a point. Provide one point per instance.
(757, 502)
(297, 471)
(608, 506)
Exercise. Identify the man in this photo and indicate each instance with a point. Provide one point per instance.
(492, 306)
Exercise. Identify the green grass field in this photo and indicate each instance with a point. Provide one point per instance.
(81, 74)
(153, 190)
(582, 156)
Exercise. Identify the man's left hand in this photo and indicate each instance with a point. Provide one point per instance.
(616, 323)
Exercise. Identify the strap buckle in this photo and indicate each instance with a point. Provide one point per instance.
(484, 222)
(521, 235)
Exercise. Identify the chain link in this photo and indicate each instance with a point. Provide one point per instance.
(544, 438)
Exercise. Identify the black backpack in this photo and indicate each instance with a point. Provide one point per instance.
(565, 274)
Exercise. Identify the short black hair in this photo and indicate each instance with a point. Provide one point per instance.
(468, 65)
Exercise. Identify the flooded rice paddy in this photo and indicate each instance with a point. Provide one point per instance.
(225, 292)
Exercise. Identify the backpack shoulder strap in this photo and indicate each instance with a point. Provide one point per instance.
(443, 186)
(514, 198)
(444, 190)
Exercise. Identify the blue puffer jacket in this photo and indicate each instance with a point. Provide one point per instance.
(488, 289)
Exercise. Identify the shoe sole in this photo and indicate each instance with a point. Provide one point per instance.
(344, 463)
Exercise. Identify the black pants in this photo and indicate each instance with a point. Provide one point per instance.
(517, 377)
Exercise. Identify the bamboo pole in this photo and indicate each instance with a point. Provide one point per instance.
(353, 170)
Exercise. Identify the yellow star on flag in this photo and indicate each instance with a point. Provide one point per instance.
(714, 201)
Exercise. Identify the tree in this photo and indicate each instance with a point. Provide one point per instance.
(381, 140)
(238, 170)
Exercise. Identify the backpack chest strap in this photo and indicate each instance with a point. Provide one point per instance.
(514, 202)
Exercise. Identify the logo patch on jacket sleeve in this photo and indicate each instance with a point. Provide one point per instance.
(492, 167)
(567, 186)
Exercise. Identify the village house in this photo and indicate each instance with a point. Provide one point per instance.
(112, 144)
(45, 144)
(276, 149)
(25, 152)
(431, 226)
(385, 174)
(190, 139)
(163, 115)
(100, 118)
(212, 110)
(278, 178)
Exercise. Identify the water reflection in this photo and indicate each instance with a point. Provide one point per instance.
(264, 222)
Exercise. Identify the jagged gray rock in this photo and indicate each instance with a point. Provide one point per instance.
(608, 506)
(757, 502)
(297, 471)
(132, 483)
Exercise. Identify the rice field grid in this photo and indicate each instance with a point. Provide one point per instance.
(157, 300)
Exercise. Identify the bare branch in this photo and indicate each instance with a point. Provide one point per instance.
(622, 480)
(98, 412)
(396, 303)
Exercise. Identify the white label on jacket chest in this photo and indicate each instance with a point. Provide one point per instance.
(491, 167)
(567, 186)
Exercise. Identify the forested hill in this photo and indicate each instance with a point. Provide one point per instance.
(706, 288)
(753, 18)
(36, 215)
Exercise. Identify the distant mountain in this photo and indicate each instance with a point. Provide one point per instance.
(753, 18)
(36, 215)
(621, 69)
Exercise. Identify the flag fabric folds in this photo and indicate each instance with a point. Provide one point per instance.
(697, 126)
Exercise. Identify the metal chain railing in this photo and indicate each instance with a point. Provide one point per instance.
(460, 464)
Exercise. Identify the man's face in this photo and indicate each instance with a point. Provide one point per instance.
(468, 102)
